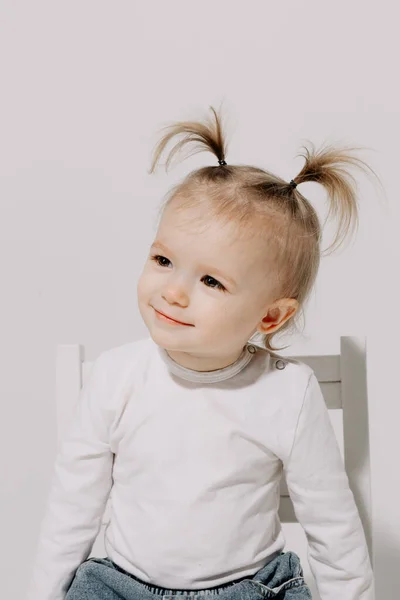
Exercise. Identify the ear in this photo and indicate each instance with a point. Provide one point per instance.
(277, 314)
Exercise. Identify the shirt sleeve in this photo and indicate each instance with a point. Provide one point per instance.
(325, 507)
(80, 487)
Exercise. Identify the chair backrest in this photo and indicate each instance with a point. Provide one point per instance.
(343, 380)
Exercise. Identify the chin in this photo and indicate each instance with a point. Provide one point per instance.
(165, 339)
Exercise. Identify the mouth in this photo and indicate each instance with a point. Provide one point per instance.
(166, 318)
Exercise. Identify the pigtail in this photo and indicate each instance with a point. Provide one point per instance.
(328, 166)
(207, 136)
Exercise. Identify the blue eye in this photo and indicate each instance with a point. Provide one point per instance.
(160, 261)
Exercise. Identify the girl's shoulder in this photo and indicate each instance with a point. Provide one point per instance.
(282, 362)
(292, 371)
(126, 351)
(118, 360)
(285, 378)
(286, 368)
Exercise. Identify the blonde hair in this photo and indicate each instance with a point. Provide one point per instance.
(252, 197)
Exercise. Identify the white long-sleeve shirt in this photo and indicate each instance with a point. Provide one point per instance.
(193, 461)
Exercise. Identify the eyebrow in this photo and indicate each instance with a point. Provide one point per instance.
(211, 269)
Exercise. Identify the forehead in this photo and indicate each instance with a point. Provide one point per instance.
(196, 236)
(195, 224)
(198, 226)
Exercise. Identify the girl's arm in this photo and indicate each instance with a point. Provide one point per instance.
(325, 507)
(80, 488)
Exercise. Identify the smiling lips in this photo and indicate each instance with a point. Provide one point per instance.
(164, 317)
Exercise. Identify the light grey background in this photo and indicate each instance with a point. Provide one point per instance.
(84, 87)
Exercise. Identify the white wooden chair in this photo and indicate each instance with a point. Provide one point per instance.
(343, 380)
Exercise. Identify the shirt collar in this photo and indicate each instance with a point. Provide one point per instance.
(248, 352)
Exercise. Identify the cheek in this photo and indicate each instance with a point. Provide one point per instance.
(232, 313)
(143, 286)
(215, 312)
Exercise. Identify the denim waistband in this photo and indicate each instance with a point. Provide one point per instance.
(156, 589)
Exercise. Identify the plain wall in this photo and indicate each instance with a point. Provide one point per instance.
(85, 86)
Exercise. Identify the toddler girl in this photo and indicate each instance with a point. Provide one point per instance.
(191, 428)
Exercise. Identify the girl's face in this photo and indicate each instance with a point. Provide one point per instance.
(213, 284)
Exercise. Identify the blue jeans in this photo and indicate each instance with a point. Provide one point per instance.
(101, 579)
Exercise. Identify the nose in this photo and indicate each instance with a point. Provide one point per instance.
(175, 293)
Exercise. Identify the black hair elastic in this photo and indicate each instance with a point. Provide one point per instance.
(222, 162)
(292, 183)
